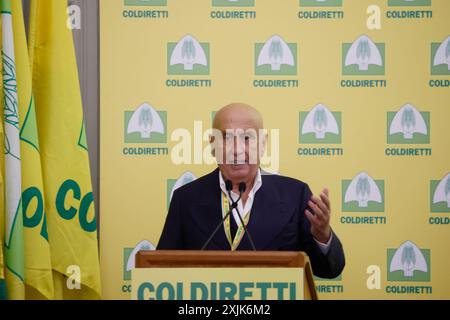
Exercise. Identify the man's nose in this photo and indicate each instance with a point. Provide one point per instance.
(239, 146)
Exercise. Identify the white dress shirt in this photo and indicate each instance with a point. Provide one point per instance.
(245, 210)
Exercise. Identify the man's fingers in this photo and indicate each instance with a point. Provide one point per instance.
(315, 222)
(326, 200)
(314, 208)
(320, 218)
(318, 207)
(312, 218)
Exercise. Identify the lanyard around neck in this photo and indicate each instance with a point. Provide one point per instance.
(241, 230)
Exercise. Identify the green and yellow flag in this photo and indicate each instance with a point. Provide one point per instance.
(72, 225)
(38, 268)
(29, 251)
(14, 238)
(2, 204)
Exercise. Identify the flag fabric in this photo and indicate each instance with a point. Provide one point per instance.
(34, 252)
(2, 201)
(38, 268)
(2, 268)
(14, 238)
(71, 221)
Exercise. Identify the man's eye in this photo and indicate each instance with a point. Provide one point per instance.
(250, 137)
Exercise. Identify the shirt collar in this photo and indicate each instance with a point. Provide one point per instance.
(256, 185)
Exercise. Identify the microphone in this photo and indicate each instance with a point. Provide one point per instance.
(242, 187)
(229, 187)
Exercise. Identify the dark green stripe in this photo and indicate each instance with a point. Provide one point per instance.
(3, 295)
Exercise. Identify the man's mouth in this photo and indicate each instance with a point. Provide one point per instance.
(239, 162)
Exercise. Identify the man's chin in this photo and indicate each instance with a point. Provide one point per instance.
(238, 171)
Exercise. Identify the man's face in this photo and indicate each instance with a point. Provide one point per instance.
(237, 145)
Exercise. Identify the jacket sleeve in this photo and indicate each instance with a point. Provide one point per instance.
(324, 266)
(172, 237)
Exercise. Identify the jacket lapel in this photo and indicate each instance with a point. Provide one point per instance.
(268, 216)
(206, 212)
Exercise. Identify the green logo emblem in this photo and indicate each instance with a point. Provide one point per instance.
(440, 58)
(276, 57)
(320, 125)
(408, 126)
(363, 57)
(363, 194)
(440, 195)
(145, 125)
(408, 263)
(188, 57)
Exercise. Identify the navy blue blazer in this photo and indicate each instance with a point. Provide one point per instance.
(277, 221)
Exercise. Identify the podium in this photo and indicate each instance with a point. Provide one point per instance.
(249, 263)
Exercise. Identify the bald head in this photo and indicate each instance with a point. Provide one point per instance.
(237, 115)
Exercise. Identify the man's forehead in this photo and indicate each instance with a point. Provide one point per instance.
(234, 117)
(239, 123)
(237, 131)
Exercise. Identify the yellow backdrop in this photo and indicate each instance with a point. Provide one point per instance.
(358, 89)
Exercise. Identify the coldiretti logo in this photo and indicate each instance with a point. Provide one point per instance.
(408, 126)
(233, 3)
(409, 3)
(275, 57)
(188, 57)
(363, 57)
(408, 263)
(145, 2)
(440, 195)
(145, 125)
(174, 184)
(363, 194)
(440, 57)
(320, 125)
(321, 3)
(129, 256)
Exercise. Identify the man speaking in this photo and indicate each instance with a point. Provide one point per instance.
(240, 207)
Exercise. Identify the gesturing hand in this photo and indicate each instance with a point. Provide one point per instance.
(320, 220)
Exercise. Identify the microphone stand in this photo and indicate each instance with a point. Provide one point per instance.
(242, 187)
(233, 206)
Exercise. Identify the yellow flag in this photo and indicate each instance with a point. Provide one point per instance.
(2, 204)
(13, 214)
(72, 225)
(38, 269)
